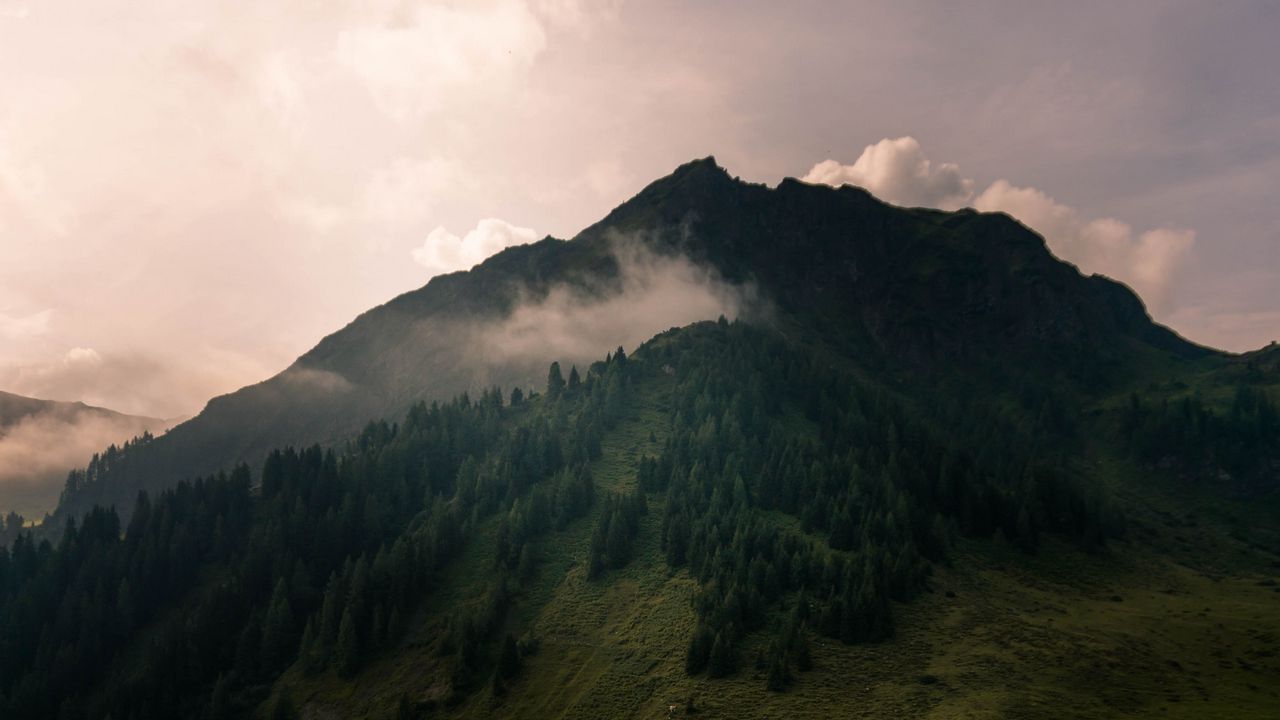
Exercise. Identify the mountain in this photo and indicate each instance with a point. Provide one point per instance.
(919, 290)
(851, 460)
(42, 440)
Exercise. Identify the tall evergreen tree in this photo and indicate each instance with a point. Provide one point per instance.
(347, 651)
(555, 381)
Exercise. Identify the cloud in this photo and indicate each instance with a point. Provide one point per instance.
(578, 16)
(16, 328)
(137, 384)
(38, 450)
(315, 380)
(400, 195)
(653, 293)
(418, 61)
(1149, 262)
(103, 223)
(444, 252)
(896, 170)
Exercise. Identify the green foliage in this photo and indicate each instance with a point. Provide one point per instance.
(1243, 441)
(321, 564)
(555, 382)
(614, 533)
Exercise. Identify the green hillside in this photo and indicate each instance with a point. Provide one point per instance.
(729, 522)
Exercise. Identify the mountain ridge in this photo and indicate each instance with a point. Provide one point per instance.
(14, 407)
(918, 288)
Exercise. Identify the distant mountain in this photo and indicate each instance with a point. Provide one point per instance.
(41, 440)
(937, 294)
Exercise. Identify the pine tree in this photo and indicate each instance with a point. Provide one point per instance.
(777, 681)
(574, 379)
(695, 659)
(555, 381)
(720, 663)
(308, 654)
(278, 641)
(248, 650)
(348, 646)
(804, 656)
(618, 542)
(596, 554)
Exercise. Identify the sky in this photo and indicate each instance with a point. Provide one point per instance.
(192, 194)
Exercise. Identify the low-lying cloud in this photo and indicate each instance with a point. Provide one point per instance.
(132, 383)
(896, 170)
(652, 293)
(313, 380)
(37, 451)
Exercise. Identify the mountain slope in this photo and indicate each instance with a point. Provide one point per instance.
(929, 294)
(41, 440)
(728, 520)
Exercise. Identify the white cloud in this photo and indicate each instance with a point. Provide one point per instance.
(654, 293)
(444, 252)
(896, 170)
(1149, 262)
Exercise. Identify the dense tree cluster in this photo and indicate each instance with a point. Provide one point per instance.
(11, 526)
(879, 490)
(111, 463)
(1243, 440)
(320, 562)
(615, 531)
(800, 497)
(65, 612)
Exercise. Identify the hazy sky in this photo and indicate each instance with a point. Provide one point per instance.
(193, 193)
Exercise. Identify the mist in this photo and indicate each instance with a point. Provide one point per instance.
(37, 451)
(651, 293)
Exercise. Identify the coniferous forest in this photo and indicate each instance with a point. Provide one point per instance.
(319, 558)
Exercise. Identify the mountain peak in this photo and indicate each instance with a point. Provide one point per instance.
(923, 290)
(687, 178)
(707, 164)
